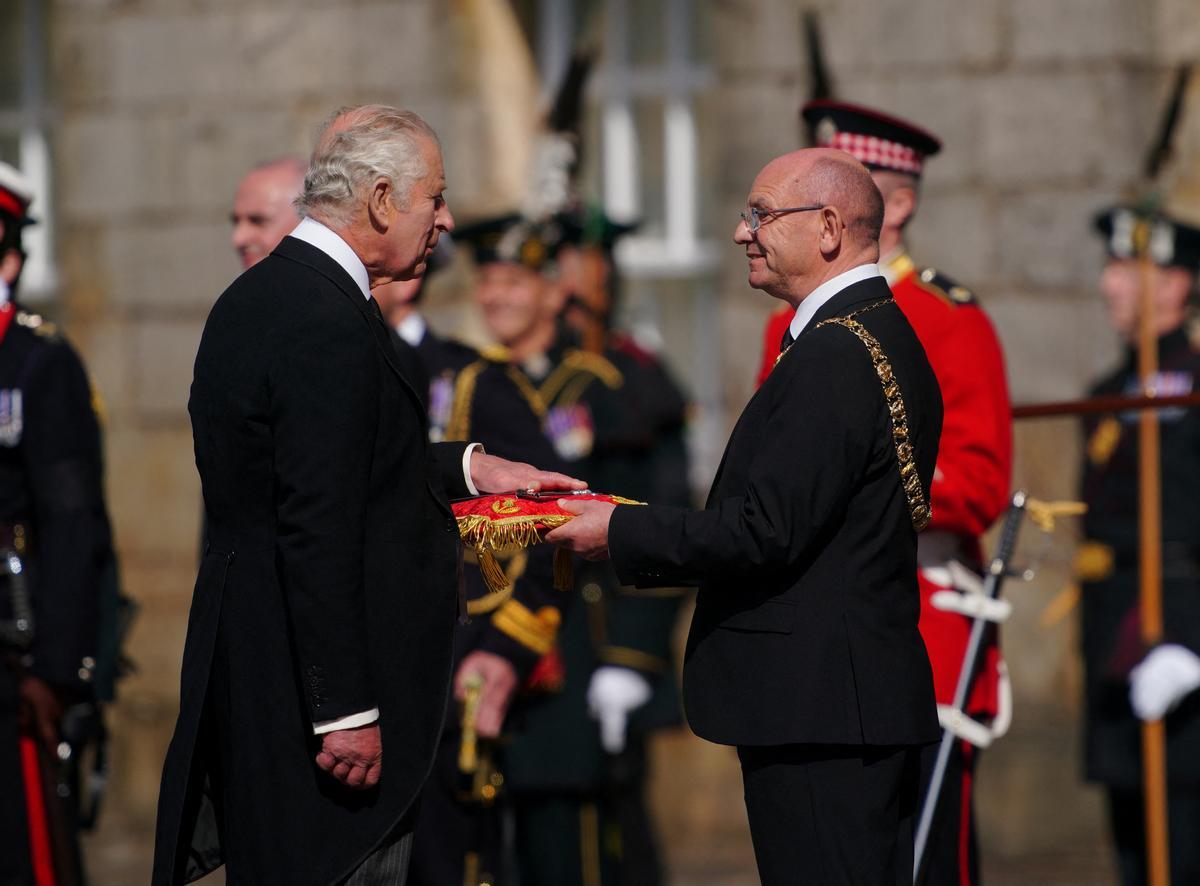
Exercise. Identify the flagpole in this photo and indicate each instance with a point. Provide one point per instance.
(1154, 758)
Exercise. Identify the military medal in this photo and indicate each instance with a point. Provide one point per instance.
(441, 404)
(571, 430)
(11, 417)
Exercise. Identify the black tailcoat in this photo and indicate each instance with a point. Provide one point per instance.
(805, 628)
(328, 585)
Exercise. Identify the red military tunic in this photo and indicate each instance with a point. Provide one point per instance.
(974, 465)
(971, 485)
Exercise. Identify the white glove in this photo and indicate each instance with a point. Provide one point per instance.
(612, 694)
(1162, 680)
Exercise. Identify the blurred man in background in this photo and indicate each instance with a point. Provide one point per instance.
(575, 764)
(656, 472)
(1120, 691)
(55, 557)
(263, 213)
(974, 464)
(482, 397)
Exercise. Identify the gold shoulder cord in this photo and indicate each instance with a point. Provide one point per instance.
(918, 507)
(459, 425)
(527, 390)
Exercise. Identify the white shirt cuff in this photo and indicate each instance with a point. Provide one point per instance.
(471, 447)
(350, 721)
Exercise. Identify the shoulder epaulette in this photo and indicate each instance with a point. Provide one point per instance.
(496, 354)
(37, 324)
(596, 365)
(945, 288)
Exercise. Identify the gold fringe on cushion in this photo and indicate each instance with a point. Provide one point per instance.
(564, 571)
(491, 570)
(507, 532)
(488, 536)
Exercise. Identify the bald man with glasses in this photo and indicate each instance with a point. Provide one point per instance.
(804, 651)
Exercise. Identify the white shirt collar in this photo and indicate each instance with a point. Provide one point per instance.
(827, 290)
(412, 328)
(329, 242)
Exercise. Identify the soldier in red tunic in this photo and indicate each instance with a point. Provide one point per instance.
(971, 483)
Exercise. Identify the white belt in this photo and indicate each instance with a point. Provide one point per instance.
(973, 731)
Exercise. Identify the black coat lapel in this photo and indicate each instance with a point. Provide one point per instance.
(308, 255)
(854, 296)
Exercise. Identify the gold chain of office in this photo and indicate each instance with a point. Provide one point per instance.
(918, 506)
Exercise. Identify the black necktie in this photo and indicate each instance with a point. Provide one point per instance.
(787, 340)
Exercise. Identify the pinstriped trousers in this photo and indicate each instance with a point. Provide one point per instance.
(386, 866)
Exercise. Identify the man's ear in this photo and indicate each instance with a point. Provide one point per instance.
(832, 231)
(554, 296)
(1175, 286)
(380, 208)
(899, 206)
(10, 267)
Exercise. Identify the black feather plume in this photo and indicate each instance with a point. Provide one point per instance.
(1162, 148)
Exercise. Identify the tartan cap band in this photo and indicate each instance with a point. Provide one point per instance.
(876, 152)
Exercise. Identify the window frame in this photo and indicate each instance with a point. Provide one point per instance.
(29, 121)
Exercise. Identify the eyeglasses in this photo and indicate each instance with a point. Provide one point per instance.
(754, 217)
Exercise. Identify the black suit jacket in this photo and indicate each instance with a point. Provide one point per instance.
(328, 584)
(805, 627)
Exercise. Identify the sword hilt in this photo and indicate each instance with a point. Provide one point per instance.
(468, 749)
(1044, 513)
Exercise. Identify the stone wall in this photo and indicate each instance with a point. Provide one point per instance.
(1045, 109)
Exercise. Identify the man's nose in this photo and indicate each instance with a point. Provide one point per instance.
(741, 233)
(447, 219)
(240, 235)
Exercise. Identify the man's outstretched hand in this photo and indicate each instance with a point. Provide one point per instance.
(353, 756)
(490, 473)
(587, 534)
(499, 683)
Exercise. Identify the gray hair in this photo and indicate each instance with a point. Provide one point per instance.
(356, 147)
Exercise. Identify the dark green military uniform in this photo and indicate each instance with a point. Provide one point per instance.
(1107, 565)
(53, 520)
(482, 398)
(617, 422)
(581, 815)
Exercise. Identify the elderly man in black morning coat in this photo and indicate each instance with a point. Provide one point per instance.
(317, 662)
(804, 650)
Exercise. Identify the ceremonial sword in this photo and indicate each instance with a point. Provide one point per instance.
(996, 573)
